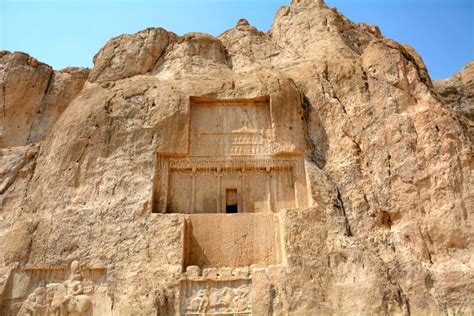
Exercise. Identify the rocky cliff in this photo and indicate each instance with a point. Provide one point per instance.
(388, 154)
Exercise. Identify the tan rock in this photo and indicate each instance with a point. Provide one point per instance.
(458, 91)
(64, 86)
(28, 117)
(130, 55)
(377, 220)
(19, 108)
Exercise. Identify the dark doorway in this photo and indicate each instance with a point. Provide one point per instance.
(231, 205)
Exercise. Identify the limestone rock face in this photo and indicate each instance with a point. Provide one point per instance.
(193, 55)
(129, 55)
(33, 96)
(458, 91)
(382, 224)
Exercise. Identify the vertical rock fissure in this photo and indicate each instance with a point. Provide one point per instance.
(4, 107)
(341, 206)
(389, 171)
(319, 161)
(4, 100)
(41, 105)
(314, 154)
(359, 150)
(16, 172)
(401, 298)
(45, 93)
(307, 107)
(32, 238)
(33, 169)
(404, 300)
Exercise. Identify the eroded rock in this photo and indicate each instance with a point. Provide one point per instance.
(33, 96)
(458, 91)
(379, 222)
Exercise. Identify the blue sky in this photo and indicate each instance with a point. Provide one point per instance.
(70, 32)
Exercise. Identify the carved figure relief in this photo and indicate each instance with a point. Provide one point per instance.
(200, 302)
(241, 300)
(217, 298)
(36, 303)
(71, 297)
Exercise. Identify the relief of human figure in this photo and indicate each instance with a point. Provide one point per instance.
(59, 299)
(241, 299)
(71, 298)
(221, 300)
(36, 303)
(199, 303)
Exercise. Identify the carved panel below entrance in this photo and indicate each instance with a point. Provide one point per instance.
(236, 240)
(254, 290)
(216, 297)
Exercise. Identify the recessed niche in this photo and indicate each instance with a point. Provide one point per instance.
(229, 167)
(231, 204)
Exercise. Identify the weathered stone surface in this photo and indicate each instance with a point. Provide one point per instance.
(388, 160)
(33, 96)
(130, 55)
(64, 86)
(458, 91)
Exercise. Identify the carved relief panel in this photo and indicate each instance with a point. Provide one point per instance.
(231, 143)
(52, 292)
(216, 297)
(230, 129)
(249, 290)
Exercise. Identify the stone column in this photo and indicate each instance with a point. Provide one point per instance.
(164, 185)
(295, 187)
(268, 189)
(219, 190)
(274, 191)
(302, 189)
(242, 190)
(193, 190)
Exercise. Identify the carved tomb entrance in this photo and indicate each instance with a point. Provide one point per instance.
(230, 185)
